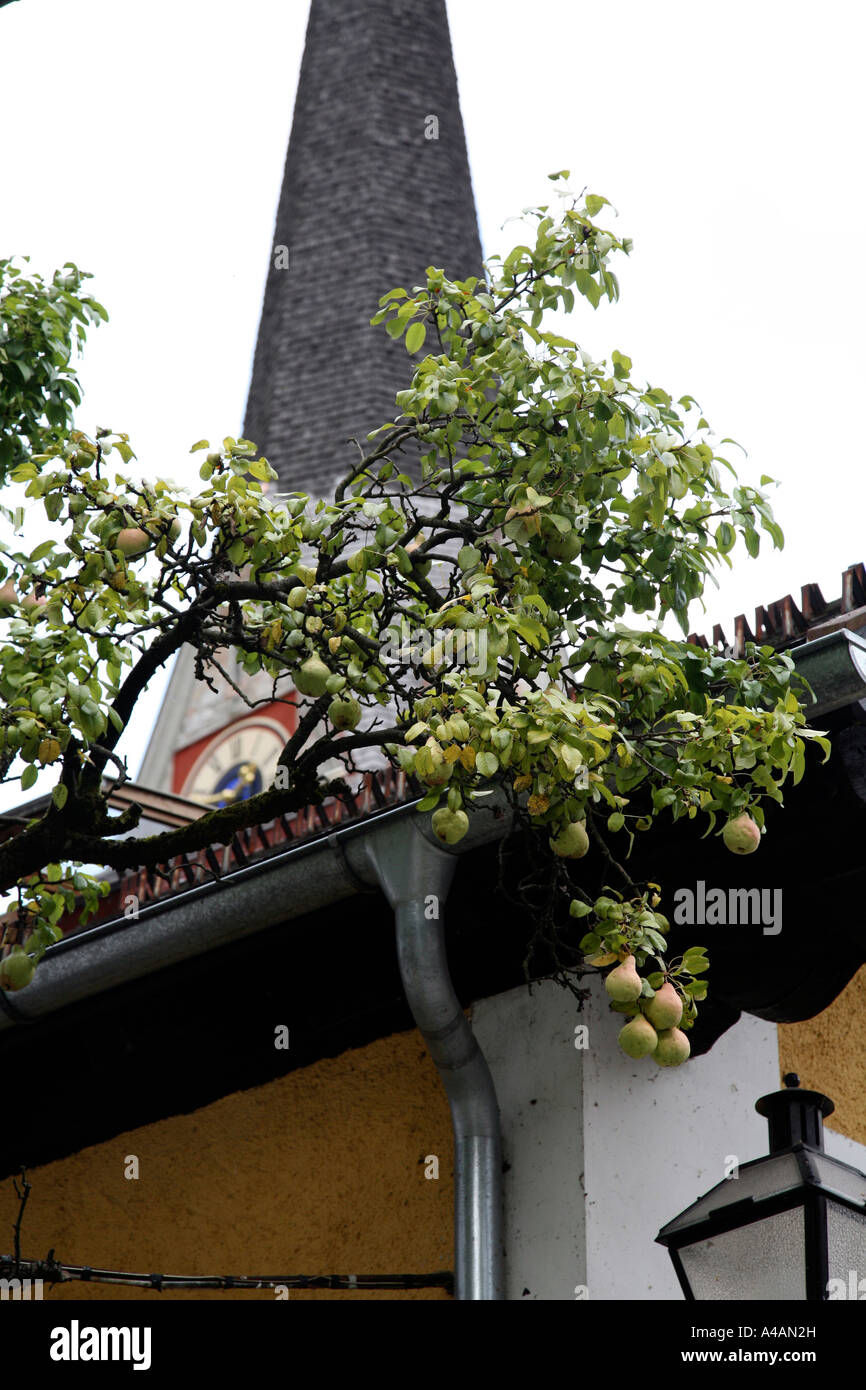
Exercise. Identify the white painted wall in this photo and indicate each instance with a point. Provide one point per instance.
(658, 1138)
(529, 1045)
(845, 1149)
(611, 1149)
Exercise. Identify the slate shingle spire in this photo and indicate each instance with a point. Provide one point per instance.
(370, 198)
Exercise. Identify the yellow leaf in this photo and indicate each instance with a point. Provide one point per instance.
(607, 959)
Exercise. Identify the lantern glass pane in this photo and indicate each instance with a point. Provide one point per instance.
(765, 1177)
(839, 1177)
(846, 1245)
(766, 1259)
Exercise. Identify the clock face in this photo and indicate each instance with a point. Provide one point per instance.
(237, 764)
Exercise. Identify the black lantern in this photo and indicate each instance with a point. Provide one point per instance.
(791, 1226)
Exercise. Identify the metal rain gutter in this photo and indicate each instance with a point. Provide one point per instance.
(835, 667)
(298, 880)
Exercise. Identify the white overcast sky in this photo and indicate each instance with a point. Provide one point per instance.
(146, 142)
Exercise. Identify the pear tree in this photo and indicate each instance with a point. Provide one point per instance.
(487, 600)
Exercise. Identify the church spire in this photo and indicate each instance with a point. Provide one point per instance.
(376, 188)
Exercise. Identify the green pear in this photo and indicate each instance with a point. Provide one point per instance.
(638, 1037)
(449, 826)
(344, 714)
(673, 1048)
(665, 1009)
(497, 642)
(572, 842)
(312, 677)
(624, 983)
(741, 835)
(563, 547)
(16, 971)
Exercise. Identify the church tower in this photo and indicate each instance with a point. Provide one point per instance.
(376, 187)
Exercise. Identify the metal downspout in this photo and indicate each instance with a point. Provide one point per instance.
(415, 876)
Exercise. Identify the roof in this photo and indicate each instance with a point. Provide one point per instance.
(784, 624)
(376, 188)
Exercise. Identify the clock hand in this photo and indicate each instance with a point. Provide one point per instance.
(246, 777)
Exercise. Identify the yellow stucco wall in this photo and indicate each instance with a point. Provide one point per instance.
(320, 1172)
(828, 1053)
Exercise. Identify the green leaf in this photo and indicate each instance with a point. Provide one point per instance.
(695, 961)
(415, 335)
(28, 777)
(404, 560)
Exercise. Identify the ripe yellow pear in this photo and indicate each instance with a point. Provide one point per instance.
(638, 1037)
(673, 1048)
(741, 835)
(132, 540)
(624, 983)
(665, 1009)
